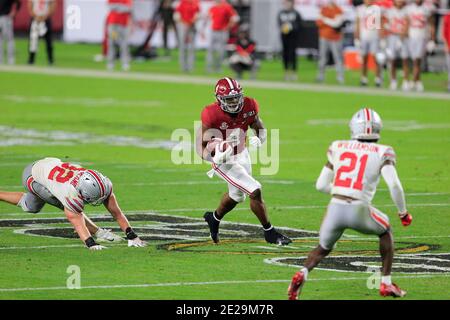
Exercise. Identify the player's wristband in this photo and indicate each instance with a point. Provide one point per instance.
(131, 235)
(90, 242)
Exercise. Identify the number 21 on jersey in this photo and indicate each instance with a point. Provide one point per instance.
(354, 161)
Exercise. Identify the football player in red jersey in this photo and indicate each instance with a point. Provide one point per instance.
(223, 142)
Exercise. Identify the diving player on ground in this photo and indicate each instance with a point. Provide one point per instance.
(351, 176)
(227, 120)
(69, 187)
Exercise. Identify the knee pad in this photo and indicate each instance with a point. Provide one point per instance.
(29, 204)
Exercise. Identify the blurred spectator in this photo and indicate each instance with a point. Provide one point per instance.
(186, 14)
(243, 57)
(167, 12)
(330, 23)
(367, 37)
(290, 23)
(8, 10)
(446, 38)
(420, 31)
(223, 17)
(119, 21)
(41, 12)
(397, 42)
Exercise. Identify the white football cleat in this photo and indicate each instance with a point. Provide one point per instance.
(419, 86)
(405, 85)
(393, 85)
(106, 235)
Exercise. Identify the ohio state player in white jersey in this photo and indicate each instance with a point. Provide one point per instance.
(420, 31)
(69, 187)
(397, 41)
(351, 176)
(367, 37)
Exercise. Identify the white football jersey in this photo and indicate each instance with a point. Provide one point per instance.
(418, 20)
(369, 21)
(357, 167)
(60, 179)
(396, 20)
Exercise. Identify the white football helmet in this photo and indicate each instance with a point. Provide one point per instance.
(366, 124)
(94, 187)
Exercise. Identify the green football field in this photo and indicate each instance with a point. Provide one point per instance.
(124, 127)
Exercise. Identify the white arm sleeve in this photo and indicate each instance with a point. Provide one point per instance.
(325, 179)
(389, 174)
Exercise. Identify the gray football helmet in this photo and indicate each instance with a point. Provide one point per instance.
(366, 124)
(94, 187)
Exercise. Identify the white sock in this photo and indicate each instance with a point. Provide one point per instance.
(305, 272)
(386, 280)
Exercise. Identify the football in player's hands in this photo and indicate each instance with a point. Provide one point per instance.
(211, 145)
(222, 153)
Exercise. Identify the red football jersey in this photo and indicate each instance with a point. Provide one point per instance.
(214, 117)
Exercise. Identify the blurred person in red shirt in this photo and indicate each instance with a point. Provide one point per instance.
(119, 21)
(446, 38)
(243, 57)
(330, 23)
(223, 17)
(186, 15)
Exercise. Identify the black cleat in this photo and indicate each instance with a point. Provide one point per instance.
(273, 236)
(213, 226)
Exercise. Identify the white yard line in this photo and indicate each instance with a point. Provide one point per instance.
(413, 205)
(176, 78)
(86, 102)
(209, 283)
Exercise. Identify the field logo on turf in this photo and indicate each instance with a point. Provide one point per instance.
(74, 279)
(187, 148)
(187, 234)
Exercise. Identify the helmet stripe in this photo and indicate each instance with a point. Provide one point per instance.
(367, 114)
(99, 181)
(368, 121)
(230, 83)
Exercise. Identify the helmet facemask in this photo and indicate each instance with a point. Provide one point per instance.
(232, 103)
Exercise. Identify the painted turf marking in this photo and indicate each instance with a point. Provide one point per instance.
(229, 282)
(12, 136)
(86, 102)
(269, 85)
(184, 210)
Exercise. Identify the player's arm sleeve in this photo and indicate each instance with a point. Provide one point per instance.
(390, 175)
(75, 205)
(325, 180)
